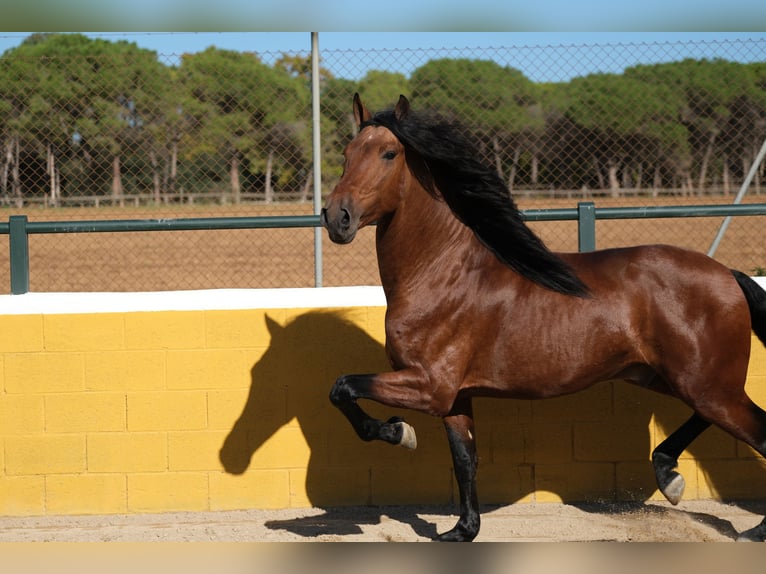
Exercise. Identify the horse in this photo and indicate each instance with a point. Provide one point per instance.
(478, 306)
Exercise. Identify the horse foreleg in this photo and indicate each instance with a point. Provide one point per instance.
(349, 388)
(665, 457)
(460, 433)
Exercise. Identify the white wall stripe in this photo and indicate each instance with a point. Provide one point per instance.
(211, 299)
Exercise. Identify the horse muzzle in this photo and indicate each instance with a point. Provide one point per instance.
(340, 223)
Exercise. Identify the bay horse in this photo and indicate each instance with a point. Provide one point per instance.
(477, 305)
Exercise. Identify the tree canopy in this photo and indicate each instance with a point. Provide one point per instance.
(81, 116)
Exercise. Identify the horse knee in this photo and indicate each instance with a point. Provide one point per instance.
(348, 388)
(340, 392)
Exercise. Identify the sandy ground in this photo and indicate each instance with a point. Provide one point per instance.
(548, 539)
(692, 521)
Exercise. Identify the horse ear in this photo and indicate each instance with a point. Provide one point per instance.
(273, 327)
(361, 113)
(402, 109)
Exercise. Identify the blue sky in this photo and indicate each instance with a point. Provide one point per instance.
(167, 44)
(402, 15)
(180, 26)
(179, 42)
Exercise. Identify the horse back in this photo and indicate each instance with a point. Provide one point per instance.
(654, 269)
(651, 310)
(668, 294)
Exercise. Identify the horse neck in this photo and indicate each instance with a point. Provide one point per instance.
(421, 237)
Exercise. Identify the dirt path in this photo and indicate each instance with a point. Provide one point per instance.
(692, 521)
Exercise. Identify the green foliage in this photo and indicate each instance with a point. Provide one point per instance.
(113, 119)
(479, 92)
(380, 90)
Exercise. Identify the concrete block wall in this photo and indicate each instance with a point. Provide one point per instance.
(124, 409)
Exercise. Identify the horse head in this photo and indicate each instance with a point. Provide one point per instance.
(374, 171)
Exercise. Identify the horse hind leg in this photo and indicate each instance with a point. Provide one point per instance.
(746, 421)
(665, 457)
(755, 436)
(740, 417)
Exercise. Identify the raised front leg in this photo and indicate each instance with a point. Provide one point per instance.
(397, 389)
(665, 457)
(460, 432)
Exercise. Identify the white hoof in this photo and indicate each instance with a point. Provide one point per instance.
(674, 491)
(409, 440)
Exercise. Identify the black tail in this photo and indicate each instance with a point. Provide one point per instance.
(756, 300)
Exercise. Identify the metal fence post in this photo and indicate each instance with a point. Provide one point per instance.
(315, 122)
(586, 226)
(737, 200)
(19, 247)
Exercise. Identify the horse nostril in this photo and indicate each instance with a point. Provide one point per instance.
(346, 218)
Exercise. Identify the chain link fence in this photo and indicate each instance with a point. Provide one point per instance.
(98, 129)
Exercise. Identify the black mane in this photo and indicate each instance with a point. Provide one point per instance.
(479, 198)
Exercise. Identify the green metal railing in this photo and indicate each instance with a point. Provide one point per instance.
(586, 214)
(18, 227)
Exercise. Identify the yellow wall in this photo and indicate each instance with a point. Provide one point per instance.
(208, 410)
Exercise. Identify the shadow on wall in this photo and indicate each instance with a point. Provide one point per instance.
(524, 446)
(291, 383)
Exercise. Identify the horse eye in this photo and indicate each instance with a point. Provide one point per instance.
(389, 155)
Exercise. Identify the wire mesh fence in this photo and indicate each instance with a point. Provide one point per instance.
(97, 129)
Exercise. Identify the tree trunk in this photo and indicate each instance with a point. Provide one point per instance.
(307, 185)
(53, 177)
(745, 166)
(155, 177)
(534, 174)
(269, 191)
(498, 159)
(597, 171)
(627, 180)
(117, 195)
(726, 176)
(705, 163)
(16, 174)
(657, 183)
(614, 182)
(7, 166)
(236, 188)
(688, 183)
(173, 175)
(514, 168)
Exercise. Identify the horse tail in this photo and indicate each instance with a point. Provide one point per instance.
(756, 301)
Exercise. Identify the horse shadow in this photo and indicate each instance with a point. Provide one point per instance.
(289, 387)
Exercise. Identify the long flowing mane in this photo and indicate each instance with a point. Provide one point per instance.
(478, 197)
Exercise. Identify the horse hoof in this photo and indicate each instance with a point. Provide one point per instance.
(674, 490)
(757, 534)
(457, 534)
(409, 440)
